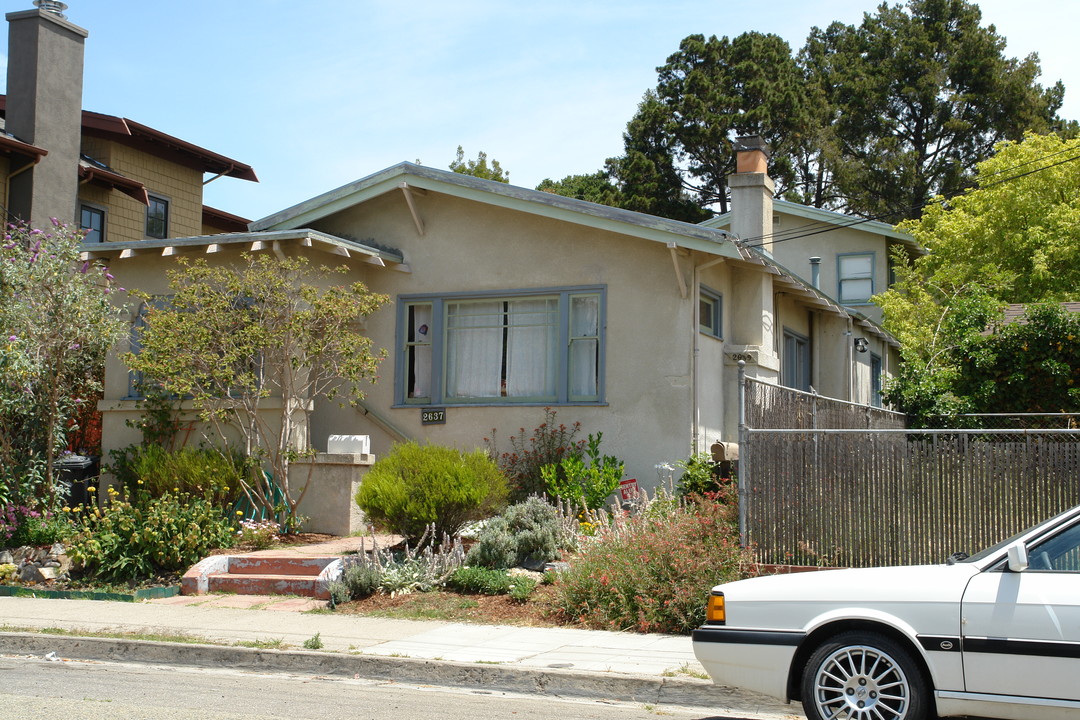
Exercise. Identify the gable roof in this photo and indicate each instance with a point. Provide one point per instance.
(826, 220)
(155, 142)
(407, 176)
(1014, 312)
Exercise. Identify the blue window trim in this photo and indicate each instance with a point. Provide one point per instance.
(716, 329)
(840, 278)
(875, 379)
(793, 363)
(438, 346)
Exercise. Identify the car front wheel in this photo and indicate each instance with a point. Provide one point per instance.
(863, 676)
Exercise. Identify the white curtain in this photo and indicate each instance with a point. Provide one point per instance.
(474, 349)
(420, 355)
(532, 335)
(584, 346)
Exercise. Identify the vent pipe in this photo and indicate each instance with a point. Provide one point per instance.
(52, 6)
(815, 272)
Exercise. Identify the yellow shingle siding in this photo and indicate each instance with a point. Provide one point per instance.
(126, 221)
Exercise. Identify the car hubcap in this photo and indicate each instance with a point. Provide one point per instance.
(861, 683)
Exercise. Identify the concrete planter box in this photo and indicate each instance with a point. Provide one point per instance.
(329, 503)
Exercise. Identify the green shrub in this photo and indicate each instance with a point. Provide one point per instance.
(698, 475)
(480, 581)
(531, 529)
(420, 485)
(21, 525)
(652, 572)
(522, 587)
(585, 485)
(126, 541)
(361, 581)
(411, 570)
(153, 470)
(548, 444)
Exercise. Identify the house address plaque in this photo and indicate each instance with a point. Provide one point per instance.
(433, 416)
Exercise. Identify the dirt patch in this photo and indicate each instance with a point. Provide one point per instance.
(457, 607)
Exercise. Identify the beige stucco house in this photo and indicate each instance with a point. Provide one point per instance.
(505, 300)
(848, 257)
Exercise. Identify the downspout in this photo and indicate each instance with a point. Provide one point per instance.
(695, 377)
(7, 183)
(850, 359)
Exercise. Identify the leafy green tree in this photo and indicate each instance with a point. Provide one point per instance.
(1028, 366)
(233, 338)
(57, 322)
(596, 187)
(479, 167)
(1015, 238)
(921, 93)
(708, 93)
(872, 119)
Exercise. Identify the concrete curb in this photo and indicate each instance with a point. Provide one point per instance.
(508, 678)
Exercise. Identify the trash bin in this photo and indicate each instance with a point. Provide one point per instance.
(75, 473)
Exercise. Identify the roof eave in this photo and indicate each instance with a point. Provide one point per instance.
(627, 222)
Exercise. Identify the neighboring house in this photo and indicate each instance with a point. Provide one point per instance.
(849, 258)
(116, 178)
(507, 300)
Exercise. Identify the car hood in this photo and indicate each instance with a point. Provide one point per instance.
(914, 582)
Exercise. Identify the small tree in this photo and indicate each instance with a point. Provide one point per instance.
(479, 167)
(57, 322)
(233, 337)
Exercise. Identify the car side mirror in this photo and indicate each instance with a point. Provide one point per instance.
(1018, 557)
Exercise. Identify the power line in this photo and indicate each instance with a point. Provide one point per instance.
(785, 236)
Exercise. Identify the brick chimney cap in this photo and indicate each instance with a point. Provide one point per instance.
(752, 142)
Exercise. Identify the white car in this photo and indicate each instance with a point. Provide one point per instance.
(993, 635)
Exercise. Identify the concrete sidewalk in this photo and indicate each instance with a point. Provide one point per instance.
(655, 669)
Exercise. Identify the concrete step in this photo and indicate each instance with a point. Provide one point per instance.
(275, 565)
(263, 575)
(267, 584)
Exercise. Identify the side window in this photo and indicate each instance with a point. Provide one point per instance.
(875, 380)
(856, 273)
(796, 361)
(710, 313)
(157, 218)
(1060, 553)
(92, 220)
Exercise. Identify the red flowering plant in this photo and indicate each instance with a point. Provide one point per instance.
(652, 571)
(549, 443)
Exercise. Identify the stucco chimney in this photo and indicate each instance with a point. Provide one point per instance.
(752, 193)
(44, 108)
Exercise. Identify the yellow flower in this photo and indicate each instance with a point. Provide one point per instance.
(91, 489)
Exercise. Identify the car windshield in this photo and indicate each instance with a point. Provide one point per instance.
(993, 549)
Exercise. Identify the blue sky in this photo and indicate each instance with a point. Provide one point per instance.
(316, 94)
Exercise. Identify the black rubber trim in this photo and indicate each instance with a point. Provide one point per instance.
(1037, 648)
(940, 643)
(748, 637)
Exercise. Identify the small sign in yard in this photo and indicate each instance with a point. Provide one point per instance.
(628, 488)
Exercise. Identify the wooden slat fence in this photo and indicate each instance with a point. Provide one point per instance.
(877, 496)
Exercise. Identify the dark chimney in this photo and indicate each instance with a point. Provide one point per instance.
(44, 108)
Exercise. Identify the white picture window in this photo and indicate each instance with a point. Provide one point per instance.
(513, 348)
